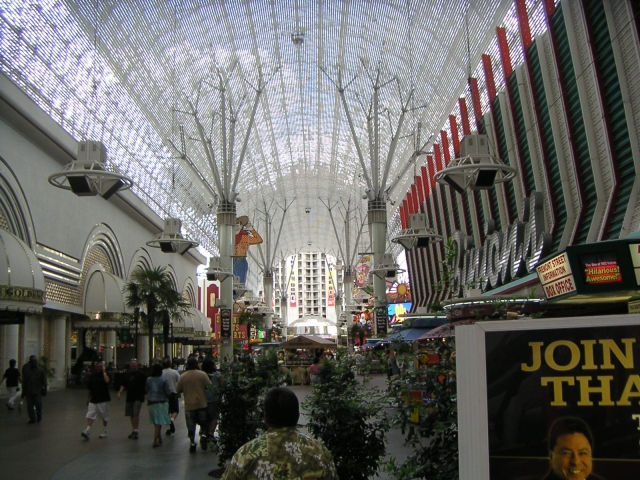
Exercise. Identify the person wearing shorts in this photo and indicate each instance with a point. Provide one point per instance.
(13, 378)
(135, 383)
(172, 377)
(98, 400)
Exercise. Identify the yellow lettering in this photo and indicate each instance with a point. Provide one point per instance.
(575, 355)
(589, 364)
(631, 389)
(557, 382)
(604, 390)
(536, 348)
(609, 346)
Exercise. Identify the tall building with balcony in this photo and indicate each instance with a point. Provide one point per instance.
(306, 293)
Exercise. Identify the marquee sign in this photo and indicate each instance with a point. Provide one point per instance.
(506, 255)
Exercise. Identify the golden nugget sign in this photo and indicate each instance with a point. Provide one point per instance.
(23, 294)
(506, 255)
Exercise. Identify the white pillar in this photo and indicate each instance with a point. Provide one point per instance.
(33, 326)
(9, 346)
(377, 217)
(110, 347)
(267, 284)
(59, 350)
(143, 349)
(226, 217)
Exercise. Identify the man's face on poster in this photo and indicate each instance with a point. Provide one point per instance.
(571, 457)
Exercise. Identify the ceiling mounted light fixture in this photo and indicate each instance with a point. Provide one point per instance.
(353, 309)
(88, 176)
(418, 235)
(249, 299)
(239, 288)
(476, 168)
(215, 272)
(170, 240)
(387, 268)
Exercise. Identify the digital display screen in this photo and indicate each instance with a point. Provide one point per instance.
(599, 268)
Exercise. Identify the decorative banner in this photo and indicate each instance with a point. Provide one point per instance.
(362, 271)
(225, 323)
(586, 378)
(211, 308)
(331, 291)
(292, 283)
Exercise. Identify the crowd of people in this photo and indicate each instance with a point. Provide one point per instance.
(280, 448)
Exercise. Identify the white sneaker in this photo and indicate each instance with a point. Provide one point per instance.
(103, 435)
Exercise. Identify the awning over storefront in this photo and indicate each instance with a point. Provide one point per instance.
(308, 341)
(444, 331)
(184, 330)
(408, 334)
(96, 325)
(103, 293)
(21, 279)
(201, 328)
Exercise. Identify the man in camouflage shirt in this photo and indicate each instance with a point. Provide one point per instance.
(281, 453)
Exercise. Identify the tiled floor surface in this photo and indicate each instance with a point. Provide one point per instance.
(54, 449)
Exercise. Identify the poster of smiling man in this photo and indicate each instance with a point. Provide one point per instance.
(550, 399)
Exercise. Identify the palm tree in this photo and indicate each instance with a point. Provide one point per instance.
(153, 289)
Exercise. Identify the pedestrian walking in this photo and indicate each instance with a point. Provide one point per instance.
(214, 398)
(172, 377)
(158, 393)
(135, 383)
(34, 387)
(13, 378)
(193, 384)
(98, 399)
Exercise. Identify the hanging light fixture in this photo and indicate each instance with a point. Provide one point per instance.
(170, 240)
(239, 288)
(387, 268)
(88, 175)
(476, 168)
(248, 299)
(217, 272)
(418, 235)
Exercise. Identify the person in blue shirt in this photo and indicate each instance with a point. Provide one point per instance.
(158, 393)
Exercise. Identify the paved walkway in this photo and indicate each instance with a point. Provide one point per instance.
(54, 449)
